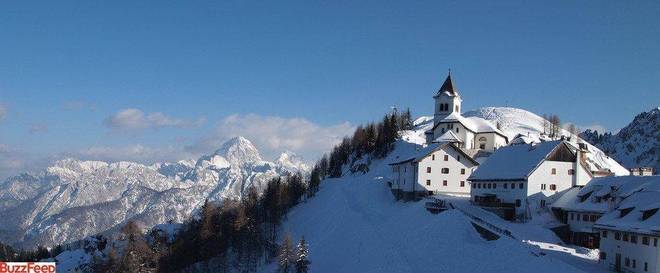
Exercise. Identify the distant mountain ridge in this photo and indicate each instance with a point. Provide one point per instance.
(636, 145)
(73, 199)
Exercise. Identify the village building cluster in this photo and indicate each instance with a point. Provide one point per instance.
(473, 158)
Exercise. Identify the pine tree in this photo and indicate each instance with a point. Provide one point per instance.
(285, 257)
(302, 257)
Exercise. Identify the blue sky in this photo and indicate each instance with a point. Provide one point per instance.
(160, 80)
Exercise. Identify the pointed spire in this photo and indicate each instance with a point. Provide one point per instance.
(448, 86)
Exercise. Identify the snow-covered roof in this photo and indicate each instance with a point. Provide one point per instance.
(426, 151)
(448, 136)
(514, 162)
(474, 124)
(640, 193)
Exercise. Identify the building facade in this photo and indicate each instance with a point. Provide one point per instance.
(438, 168)
(520, 178)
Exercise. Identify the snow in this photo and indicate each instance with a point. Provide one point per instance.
(475, 124)
(73, 261)
(514, 162)
(355, 225)
(514, 122)
(448, 136)
(73, 199)
(640, 193)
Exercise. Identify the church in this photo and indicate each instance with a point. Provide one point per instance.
(471, 133)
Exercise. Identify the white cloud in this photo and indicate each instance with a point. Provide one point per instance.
(13, 161)
(272, 135)
(38, 128)
(3, 112)
(136, 153)
(77, 105)
(132, 119)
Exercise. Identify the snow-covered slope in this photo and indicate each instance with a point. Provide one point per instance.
(73, 199)
(354, 224)
(636, 145)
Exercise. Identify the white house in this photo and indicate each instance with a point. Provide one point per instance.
(629, 234)
(518, 178)
(474, 132)
(437, 168)
(581, 207)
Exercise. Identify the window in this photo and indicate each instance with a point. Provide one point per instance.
(404, 169)
(494, 185)
(646, 266)
(458, 158)
(478, 185)
(506, 185)
(428, 169)
(513, 186)
(625, 237)
(462, 171)
(577, 217)
(593, 218)
(542, 203)
(554, 171)
(462, 184)
(585, 217)
(655, 241)
(634, 263)
(645, 240)
(603, 255)
(633, 239)
(445, 170)
(571, 172)
(432, 157)
(482, 146)
(428, 182)
(456, 108)
(444, 182)
(521, 185)
(604, 233)
(474, 185)
(446, 158)
(572, 215)
(518, 202)
(553, 187)
(617, 236)
(542, 186)
(648, 213)
(457, 129)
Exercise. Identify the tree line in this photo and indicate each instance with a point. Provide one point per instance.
(373, 140)
(238, 235)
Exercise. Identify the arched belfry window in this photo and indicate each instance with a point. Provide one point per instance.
(456, 108)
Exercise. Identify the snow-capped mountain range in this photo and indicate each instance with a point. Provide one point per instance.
(73, 199)
(636, 145)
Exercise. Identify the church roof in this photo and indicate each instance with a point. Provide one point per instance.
(448, 136)
(448, 86)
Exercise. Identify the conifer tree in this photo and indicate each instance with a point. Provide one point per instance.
(302, 257)
(286, 255)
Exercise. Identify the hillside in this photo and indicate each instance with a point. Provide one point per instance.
(73, 199)
(636, 145)
(354, 224)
